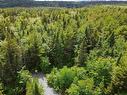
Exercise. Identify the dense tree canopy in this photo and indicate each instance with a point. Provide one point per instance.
(50, 3)
(83, 50)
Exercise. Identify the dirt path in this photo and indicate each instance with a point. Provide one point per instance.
(42, 80)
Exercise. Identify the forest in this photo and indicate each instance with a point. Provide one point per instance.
(57, 3)
(80, 51)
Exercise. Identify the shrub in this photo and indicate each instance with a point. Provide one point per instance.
(119, 78)
(83, 87)
(101, 70)
(33, 88)
(45, 64)
(27, 84)
(1, 89)
(63, 78)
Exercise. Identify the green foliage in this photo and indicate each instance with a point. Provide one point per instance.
(101, 70)
(28, 85)
(1, 89)
(33, 88)
(84, 87)
(62, 79)
(86, 46)
(45, 65)
(31, 56)
(22, 78)
(10, 63)
(119, 77)
(98, 75)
